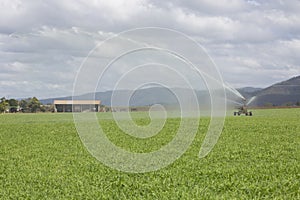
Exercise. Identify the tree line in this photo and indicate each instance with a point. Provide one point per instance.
(268, 104)
(29, 105)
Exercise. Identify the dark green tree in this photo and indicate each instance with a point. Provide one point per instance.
(13, 105)
(268, 104)
(298, 103)
(34, 104)
(24, 105)
(3, 105)
(13, 102)
(47, 108)
(288, 104)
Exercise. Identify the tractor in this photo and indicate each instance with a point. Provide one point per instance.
(243, 110)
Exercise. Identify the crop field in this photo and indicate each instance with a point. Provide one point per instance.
(258, 157)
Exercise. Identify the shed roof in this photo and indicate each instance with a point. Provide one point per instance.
(76, 102)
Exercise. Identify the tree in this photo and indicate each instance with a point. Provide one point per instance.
(24, 105)
(3, 105)
(13, 102)
(13, 105)
(34, 104)
(268, 104)
(288, 104)
(298, 103)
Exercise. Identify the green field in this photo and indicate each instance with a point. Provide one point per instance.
(42, 157)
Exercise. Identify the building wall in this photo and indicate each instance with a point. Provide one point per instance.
(77, 108)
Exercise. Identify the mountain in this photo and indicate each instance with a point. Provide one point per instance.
(141, 97)
(283, 93)
(249, 92)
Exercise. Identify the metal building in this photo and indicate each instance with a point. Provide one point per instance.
(77, 105)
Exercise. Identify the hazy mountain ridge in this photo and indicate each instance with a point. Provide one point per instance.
(249, 92)
(286, 92)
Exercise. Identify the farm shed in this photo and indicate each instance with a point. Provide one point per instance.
(76, 105)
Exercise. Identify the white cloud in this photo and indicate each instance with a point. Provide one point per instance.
(42, 43)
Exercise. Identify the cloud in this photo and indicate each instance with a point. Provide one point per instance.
(43, 43)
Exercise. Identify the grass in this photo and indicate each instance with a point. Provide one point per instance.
(41, 157)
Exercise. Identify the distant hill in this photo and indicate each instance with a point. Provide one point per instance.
(141, 97)
(249, 92)
(286, 92)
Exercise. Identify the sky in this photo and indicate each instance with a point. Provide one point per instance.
(43, 43)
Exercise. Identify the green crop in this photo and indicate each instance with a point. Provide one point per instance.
(42, 157)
